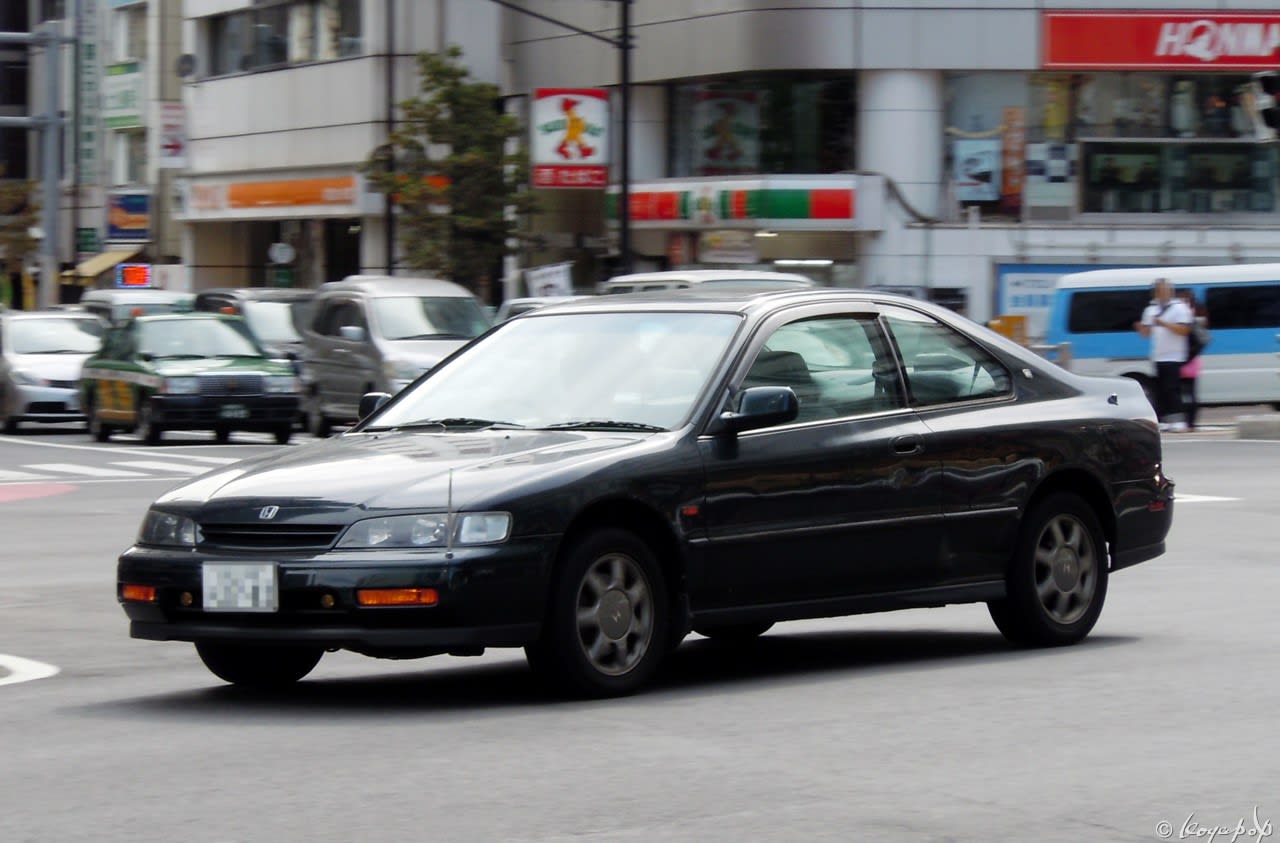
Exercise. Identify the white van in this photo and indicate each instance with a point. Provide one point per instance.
(680, 279)
(1095, 312)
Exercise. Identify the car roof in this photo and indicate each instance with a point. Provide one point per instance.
(1146, 276)
(140, 295)
(184, 316)
(729, 299)
(259, 293)
(388, 285)
(700, 275)
(49, 314)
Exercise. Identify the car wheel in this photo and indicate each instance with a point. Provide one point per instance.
(222, 435)
(283, 434)
(258, 665)
(734, 633)
(98, 429)
(1058, 579)
(606, 630)
(146, 428)
(318, 423)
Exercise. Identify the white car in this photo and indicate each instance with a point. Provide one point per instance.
(41, 354)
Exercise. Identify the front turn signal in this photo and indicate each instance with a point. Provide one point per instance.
(397, 597)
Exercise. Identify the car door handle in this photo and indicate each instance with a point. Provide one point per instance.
(907, 445)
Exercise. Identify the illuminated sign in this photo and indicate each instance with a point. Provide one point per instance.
(133, 275)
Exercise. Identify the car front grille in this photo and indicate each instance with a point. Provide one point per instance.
(231, 384)
(64, 384)
(270, 536)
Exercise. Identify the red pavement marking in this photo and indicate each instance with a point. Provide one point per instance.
(28, 491)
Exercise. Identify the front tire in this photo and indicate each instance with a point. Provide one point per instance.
(147, 429)
(1058, 578)
(258, 665)
(607, 625)
(98, 429)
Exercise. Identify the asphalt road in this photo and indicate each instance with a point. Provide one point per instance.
(919, 725)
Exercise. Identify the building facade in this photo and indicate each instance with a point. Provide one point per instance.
(286, 101)
(974, 150)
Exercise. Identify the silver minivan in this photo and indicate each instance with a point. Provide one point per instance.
(371, 333)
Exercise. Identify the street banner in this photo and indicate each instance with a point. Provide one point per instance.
(552, 280)
(173, 136)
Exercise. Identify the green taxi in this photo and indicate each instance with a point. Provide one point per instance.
(186, 371)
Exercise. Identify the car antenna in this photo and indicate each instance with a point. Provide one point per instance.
(448, 519)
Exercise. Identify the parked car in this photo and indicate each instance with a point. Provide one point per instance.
(275, 315)
(377, 334)
(116, 305)
(516, 306)
(41, 354)
(189, 371)
(592, 481)
(680, 279)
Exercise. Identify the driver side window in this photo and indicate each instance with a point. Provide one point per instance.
(837, 366)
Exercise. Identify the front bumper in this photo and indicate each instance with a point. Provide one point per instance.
(45, 403)
(490, 596)
(237, 412)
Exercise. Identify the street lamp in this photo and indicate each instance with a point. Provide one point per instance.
(624, 46)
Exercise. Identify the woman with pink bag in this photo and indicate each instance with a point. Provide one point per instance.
(1190, 370)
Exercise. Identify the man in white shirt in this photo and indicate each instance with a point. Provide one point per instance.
(1167, 321)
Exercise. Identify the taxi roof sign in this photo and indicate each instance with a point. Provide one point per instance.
(133, 275)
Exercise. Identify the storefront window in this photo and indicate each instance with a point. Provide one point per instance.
(986, 140)
(763, 124)
(1191, 177)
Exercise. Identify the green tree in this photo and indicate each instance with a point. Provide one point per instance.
(19, 211)
(460, 192)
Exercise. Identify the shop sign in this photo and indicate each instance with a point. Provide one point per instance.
(129, 217)
(1160, 40)
(89, 83)
(976, 169)
(292, 193)
(1013, 148)
(173, 136)
(570, 144)
(794, 203)
(730, 245)
(726, 127)
(122, 96)
(87, 241)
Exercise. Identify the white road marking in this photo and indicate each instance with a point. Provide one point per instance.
(87, 470)
(1178, 497)
(213, 460)
(24, 670)
(157, 465)
(19, 477)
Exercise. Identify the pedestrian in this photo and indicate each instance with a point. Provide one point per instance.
(1190, 370)
(1167, 321)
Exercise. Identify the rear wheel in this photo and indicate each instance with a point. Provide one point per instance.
(1058, 580)
(98, 429)
(147, 429)
(258, 665)
(607, 625)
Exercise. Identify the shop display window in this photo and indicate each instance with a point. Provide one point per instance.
(774, 123)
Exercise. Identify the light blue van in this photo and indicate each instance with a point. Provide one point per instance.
(1095, 312)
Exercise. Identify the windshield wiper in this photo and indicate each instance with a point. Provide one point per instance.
(56, 351)
(177, 357)
(451, 422)
(440, 336)
(604, 424)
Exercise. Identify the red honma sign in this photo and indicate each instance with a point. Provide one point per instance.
(1160, 40)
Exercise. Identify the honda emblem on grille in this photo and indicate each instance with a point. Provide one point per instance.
(267, 513)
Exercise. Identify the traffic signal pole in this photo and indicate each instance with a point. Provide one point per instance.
(49, 125)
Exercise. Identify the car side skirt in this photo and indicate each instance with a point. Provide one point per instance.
(1134, 555)
(857, 605)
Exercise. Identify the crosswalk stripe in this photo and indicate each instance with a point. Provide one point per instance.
(86, 470)
(18, 476)
(156, 465)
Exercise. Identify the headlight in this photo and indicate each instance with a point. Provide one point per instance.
(428, 530)
(168, 530)
(181, 386)
(282, 383)
(24, 377)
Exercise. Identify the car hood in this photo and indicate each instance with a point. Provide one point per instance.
(54, 367)
(220, 365)
(393, 471)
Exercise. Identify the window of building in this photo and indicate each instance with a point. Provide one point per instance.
(52, 9)
(130, 33)
(13, 17)
(13, 154)
(279, 33)
(776, 123)
(14, 78)
(131, 158)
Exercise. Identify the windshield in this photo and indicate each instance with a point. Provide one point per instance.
(274, 322)
(55, 336)
(429, 317)
(556, 370)
(196, 338)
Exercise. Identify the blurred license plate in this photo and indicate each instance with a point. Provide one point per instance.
(234, 411)
(239, 587)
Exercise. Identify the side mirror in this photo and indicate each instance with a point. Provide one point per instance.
(370, 402)
(146, 355)
(761, 406)
(354, 333)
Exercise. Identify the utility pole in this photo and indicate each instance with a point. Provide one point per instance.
(49, 124)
